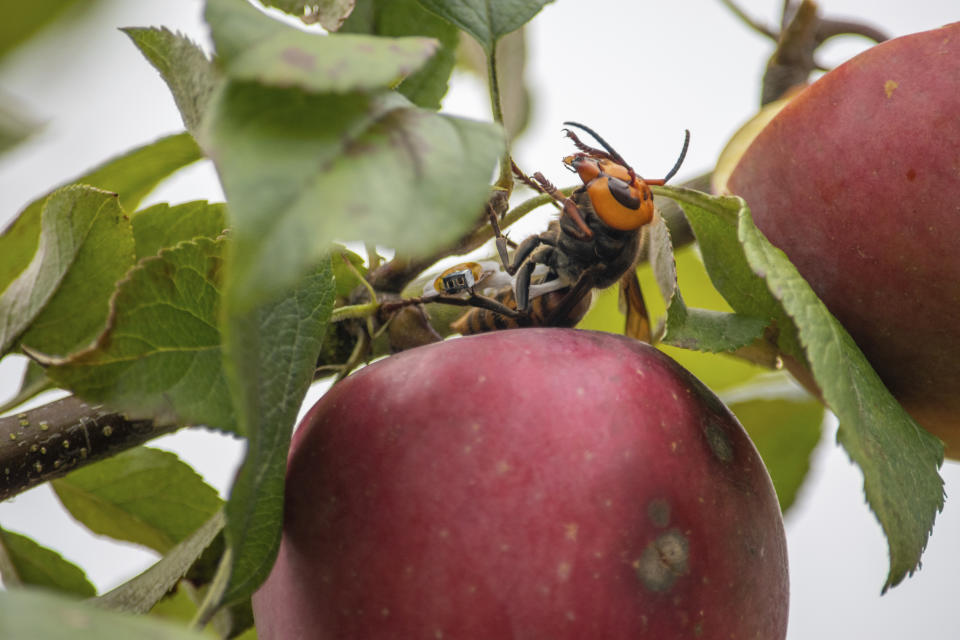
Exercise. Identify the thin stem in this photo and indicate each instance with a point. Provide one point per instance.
(829, 28)
(354, 311)
(750, 22)
(505, 179)
(359, 276)
(785, 14)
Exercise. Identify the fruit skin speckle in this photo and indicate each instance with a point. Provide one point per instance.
(637, 539)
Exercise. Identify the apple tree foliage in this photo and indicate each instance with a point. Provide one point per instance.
(217, 314)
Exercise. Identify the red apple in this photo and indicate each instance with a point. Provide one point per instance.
(536, 483)
(857, 180)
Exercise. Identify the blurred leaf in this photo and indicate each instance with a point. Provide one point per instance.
(298, 168)
(132, 175)
(160, 356)
(785, 424)
(163, 226)
(142, 592)
(34, 381)
(60, 301)
(142, 495)
(184, 67)
(38, 615)
(604, 314)
(486, 20)
(329, 13)
(21, 20)
(271, 353)
(740, 141)
(427, 86)
(37, 566)
(235, 621)
(718, 371)
(345, 279)
(178, 607)
(899, 459)
(255, 47)
(15, 125)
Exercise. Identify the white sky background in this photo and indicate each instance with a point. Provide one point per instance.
(638, 71)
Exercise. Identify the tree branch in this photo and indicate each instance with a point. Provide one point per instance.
(802, 31)
(47, 442)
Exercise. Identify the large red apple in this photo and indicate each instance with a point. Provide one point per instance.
(858, 181)
(536, 483)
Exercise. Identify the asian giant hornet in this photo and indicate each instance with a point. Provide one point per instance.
(539, 314)
(592, 245)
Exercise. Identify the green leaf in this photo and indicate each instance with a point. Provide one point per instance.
(699, 329)
(21, 20)
(60, 301)
(329, 13)
(344, 277)
(300, 170)
(177, 606)
(427, 86)
(718, 371)
(163, 226)
(785, 424)
(132, 175)
(486, 20)
(899, 459)
(141, 593)
(711, 331)
(271, 355)
(714, 222)
(38, 615)
(184, 67)
(38, 566)
(16, 125)
(160, 356)
(181, 604)
(145, 496)
(254, 47)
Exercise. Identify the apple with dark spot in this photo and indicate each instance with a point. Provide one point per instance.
(857, 180)
(532, 483)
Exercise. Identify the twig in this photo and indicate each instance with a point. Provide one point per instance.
(47, 442)
(802, 31)
(750, 22)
